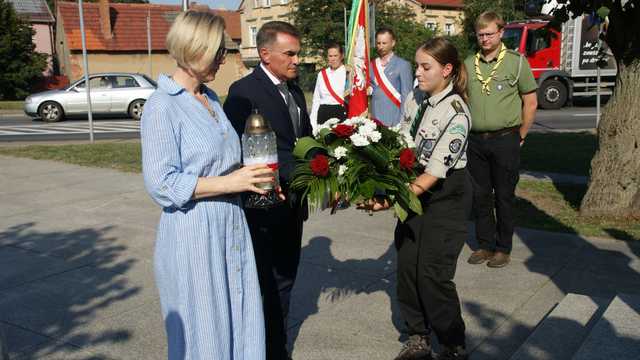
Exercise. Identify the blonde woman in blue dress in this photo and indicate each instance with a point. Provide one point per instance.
(191, 157)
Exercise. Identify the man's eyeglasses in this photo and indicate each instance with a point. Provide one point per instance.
(486, 35)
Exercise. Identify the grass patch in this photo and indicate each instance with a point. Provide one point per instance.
(554, 207)
(564, 153)
(11, 105)
(539, 204)
(119, 156)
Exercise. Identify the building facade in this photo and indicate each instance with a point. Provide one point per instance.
(37, 12)
(118, 37)
(444, 16)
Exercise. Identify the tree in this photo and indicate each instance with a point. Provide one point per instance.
(402, 19)
(508, 9)
(21, 65)
(614, 184)
(322, 21)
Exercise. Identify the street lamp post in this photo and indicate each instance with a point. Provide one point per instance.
(86, 69)
(185, 5)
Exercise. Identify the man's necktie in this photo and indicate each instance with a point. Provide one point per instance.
(418, 119)
(293, 108)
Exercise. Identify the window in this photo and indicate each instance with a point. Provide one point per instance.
(449, 29)
(98, 82)
(537, 40)
(266, 3)
(124, 82)
(253, 33)
(431, 25)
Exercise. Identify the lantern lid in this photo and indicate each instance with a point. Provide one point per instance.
(256, 124)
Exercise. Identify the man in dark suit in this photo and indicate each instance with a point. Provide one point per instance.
(276, 232)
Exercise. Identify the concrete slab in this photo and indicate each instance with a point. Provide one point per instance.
(21, 266)
(18, 340)
(60, 304)
(561, 333)
(615, 335)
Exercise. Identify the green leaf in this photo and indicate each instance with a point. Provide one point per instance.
(400, 212)
(304, 145)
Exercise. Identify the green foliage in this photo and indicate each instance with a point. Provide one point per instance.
(21, 65)
(623, 30)
(323, 21)
(320, 22)
(363, 173)
(509, 10)
(402, 19)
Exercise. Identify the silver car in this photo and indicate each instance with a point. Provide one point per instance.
(111, 93)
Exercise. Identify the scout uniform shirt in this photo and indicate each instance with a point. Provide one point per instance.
(502, 107)
(441, 133)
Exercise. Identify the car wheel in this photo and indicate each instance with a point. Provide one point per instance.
(135, 109)
(552, 94)
(51, 112)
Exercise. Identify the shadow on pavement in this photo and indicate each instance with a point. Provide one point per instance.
(54, 285)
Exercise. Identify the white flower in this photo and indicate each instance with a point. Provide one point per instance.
(342, 169)
(375, 136)
(359, 140)
(331, 122)
(408, 139)
(340, 152)
(396, 128)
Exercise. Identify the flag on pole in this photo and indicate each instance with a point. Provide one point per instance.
(358, 59)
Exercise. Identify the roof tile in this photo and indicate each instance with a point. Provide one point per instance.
(129, 25)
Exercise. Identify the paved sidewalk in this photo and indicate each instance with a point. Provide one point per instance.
(76, 277)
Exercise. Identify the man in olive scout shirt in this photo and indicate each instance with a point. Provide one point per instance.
(502, 100)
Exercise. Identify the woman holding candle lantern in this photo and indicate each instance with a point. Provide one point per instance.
(204, 261)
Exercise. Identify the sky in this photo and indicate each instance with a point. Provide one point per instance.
(216, 4)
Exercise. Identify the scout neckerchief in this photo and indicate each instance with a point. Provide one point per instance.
(485, 81)
(327, 83)
(423, 107)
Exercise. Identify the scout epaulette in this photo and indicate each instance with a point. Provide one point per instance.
(457, 106)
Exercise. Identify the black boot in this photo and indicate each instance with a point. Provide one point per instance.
(453, 353)
(418, 347)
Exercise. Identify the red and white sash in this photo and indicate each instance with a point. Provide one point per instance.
(383, 82)
(327, 83)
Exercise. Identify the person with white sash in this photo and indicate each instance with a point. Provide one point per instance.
(391, 80)
(328, 96)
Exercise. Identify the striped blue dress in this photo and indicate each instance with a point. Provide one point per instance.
(204, 263)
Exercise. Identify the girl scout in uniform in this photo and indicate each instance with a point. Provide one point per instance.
(428, 245)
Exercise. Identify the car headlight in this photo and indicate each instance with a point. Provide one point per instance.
(28, 100)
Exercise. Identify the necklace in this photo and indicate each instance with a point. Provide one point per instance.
(205, 102)
(486, 81)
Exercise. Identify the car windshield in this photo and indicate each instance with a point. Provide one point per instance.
(150, 80)
(512, 37)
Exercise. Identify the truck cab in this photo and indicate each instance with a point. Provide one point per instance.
(563, 62)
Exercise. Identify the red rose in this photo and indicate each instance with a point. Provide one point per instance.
(319, 165)
(343, 130)
(407, 159)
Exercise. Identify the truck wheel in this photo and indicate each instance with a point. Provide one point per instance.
(552, 94)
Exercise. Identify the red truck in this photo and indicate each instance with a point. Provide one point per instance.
(563, 62)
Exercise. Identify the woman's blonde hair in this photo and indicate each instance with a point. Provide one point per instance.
(194, 38)
(445, 53)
